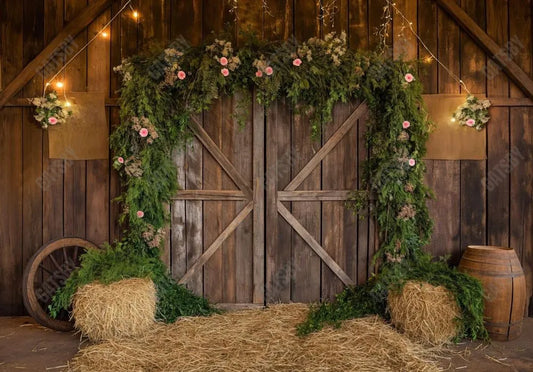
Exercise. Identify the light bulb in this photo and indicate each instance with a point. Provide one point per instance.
(104, 34)
(135, 14)
(59, 84)
(68, 104)
(428, 59)
(452, 120)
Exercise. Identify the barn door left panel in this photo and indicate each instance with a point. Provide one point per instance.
(217, 230)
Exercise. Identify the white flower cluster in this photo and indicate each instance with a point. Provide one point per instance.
(49, 110)
(222, 52)
(124, 70)
(333, 46)
(473, 113)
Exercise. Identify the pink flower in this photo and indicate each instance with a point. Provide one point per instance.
(120, 159)
(223, 61)
(143, 132)
(52, 120)
(225, 71)
(470, 122)
(297, 62)
(269, 70)
(406, 124)
(409, 77)
(412, 162)
(259, 73)
(181, 75)
(140, 214)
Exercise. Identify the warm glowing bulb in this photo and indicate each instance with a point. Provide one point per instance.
(104, 34)
(453, 120)
(428, 59)
(135, 14)
(68, 104)
(59, 84)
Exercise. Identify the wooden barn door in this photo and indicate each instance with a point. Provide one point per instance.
(314, 245)
(266, 202)
(217, 244)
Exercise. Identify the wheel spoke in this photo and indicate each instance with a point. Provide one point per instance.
(65, 254)
(46, 269)
(57, 265)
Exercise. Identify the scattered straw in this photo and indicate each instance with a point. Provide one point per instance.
(122, 309)
(425, 313)
(259, 340)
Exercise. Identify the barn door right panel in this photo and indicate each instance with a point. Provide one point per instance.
(314, 244)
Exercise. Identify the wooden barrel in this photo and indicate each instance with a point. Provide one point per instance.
(504, 284)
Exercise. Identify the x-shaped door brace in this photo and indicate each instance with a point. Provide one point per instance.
(288, 194)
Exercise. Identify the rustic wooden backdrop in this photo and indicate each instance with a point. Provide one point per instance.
(76, 200)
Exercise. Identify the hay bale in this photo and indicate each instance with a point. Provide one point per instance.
(121, 309)
(258, 340)
(425, 313)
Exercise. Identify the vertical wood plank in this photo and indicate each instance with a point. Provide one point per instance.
(11, 260)
(218, 271)
(97, 197)
(497, 133)
(306, 271)
(358, 35)
(404, 42)
(278, 25)
(375, 16)
(473, 189)
(339, 225)
(53, 169)
(75, 170)
(445, 208)
(279, 264)
(521, 141)
(32, 136)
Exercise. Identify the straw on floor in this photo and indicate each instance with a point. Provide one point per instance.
(122, 309)
(425, 313)
(259, 340)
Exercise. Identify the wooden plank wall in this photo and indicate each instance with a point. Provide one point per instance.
(77, 197)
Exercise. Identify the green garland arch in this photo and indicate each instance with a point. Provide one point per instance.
(163, 88)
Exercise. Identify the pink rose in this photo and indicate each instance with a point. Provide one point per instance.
(181, 75)
(406, 124)
(225, 71)
(223, 61)
(297, 62)
(140, 214)
(269, 70)
(412, 162)
(259, 73)
(120, 159)
(470, 122)
(52, 120)
(143, 132)
(409, 77)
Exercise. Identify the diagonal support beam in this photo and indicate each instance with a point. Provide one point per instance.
(218, 241)
(328, 146)
(302, 231)
(219, 156)
(495, 51)
(73, 28)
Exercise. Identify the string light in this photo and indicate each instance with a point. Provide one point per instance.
(101, 33)
(452, 120)
(383, 33)
(135, 14)
(68, 104)
(428, 59)
(59, 84)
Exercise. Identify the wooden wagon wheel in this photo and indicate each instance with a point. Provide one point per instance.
(47, 270)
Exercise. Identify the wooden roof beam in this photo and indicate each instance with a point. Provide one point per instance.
(73, 28)
(484, 41)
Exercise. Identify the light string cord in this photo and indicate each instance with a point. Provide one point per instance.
(410, 26)
(85, 47)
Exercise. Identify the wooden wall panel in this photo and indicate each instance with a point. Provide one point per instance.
(74, 198)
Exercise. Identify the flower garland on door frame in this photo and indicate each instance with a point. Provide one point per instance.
(163, 89)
